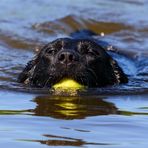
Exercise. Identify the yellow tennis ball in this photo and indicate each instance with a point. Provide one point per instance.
(68, 84)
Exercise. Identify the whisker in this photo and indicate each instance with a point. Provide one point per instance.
(47, 81)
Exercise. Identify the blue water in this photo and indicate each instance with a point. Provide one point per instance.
(108, 117)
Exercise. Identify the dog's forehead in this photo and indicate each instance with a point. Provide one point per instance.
(86, 42)
(90, 44)
(63, 42)
(74, 44)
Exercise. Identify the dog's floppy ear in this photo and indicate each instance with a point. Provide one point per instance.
(26, 74)
(118, 72)
(28, 70)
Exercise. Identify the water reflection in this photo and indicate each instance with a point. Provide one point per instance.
(64, 141)
(72, 107)
(125, 26)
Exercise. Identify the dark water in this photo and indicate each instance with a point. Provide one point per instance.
(108, 117)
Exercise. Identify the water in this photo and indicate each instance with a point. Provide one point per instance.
(108, 117)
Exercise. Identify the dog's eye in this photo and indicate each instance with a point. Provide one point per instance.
(54, 48)
(51, 51)
(91, 53)
(87, 50)
(57, 45)
(83, 48)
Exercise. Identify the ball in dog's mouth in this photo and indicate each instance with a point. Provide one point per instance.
(68, 84)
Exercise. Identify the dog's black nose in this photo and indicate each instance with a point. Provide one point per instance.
(66, 57)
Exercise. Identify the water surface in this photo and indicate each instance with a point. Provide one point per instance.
(105, 117)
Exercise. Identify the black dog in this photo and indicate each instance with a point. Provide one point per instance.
(81, 59)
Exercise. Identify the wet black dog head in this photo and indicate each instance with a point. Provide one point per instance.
(82, 60)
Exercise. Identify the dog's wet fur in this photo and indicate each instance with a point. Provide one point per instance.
(81, 58)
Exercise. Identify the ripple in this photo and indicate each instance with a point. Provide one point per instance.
(11, 65)
(72, 23)
(124, 35)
